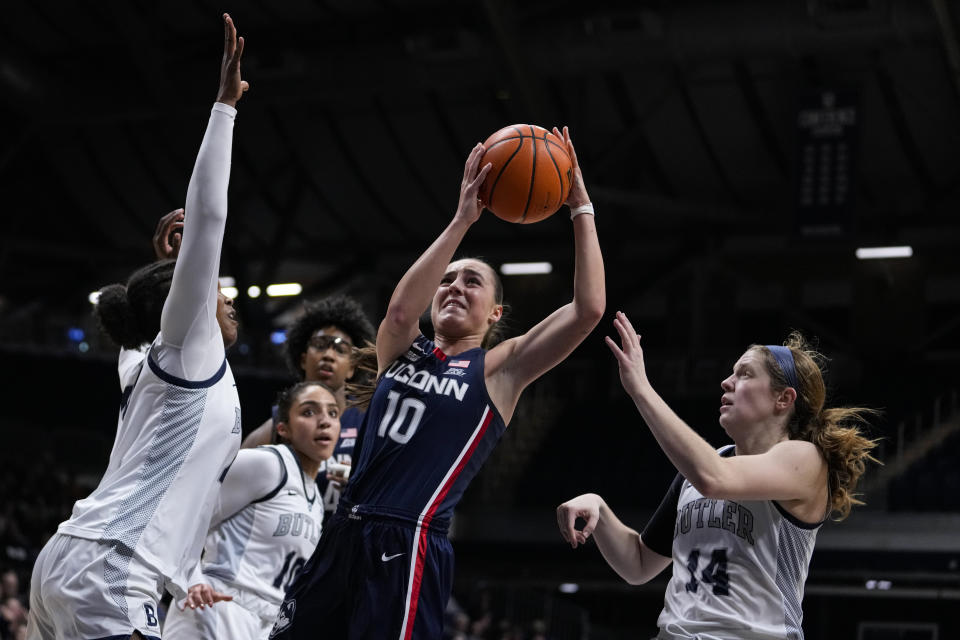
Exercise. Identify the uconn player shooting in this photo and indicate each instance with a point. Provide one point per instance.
(384, 565)
(266, 524)
(738, 524)
(103, 573)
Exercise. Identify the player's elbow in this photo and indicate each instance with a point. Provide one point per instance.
(634, 575)
(590, 311)
(709, 485)
(397, 317)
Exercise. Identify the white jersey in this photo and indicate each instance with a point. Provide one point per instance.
(738, 569)
(256, 553)
(175, 439)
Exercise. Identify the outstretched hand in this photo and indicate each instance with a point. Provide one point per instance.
(231, 85)
(168, 235)
(470, 207)
(587, 507)
(203, 595)
(633, 372)
(578, 190)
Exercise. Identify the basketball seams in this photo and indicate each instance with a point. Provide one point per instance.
(533, 173)
(510, 189)
(506, 164)
(555, 166)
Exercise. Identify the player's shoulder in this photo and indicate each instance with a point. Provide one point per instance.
(262, 459)
(797, 452)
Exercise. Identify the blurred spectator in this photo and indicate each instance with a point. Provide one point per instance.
(13, 619)
(9, 585)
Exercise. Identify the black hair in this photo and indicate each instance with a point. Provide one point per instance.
(285, 400)
(340, 311)
(130, 314)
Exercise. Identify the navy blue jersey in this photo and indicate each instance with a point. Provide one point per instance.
(429, 428)
(350, 422)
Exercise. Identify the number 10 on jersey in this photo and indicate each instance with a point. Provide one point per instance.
(402, 427)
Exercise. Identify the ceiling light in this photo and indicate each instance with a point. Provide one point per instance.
(874, 253)
(525, 268)
(285, 289)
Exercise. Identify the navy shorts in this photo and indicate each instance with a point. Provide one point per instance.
(370, 578)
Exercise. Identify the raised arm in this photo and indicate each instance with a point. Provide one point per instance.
(621, 546)
(521, 360)
(413, 293)
(790, 470)
(189, 322)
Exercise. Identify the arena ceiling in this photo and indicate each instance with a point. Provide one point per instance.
(691, 119)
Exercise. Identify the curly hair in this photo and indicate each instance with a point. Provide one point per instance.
(130, 313)
(340, 311)
(835, 431)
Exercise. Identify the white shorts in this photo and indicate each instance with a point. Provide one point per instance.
(87, 590)
(222, 620)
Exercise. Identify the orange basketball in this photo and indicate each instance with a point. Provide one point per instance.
(531, 173)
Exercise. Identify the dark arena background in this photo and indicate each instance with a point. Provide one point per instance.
(739, 155)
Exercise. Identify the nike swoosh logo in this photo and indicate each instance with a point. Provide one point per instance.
(387, 558)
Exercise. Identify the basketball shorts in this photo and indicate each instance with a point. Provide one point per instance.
(370, 578)
(86, 590)
(222, 620)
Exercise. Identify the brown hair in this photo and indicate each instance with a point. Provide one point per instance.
(365, 358)
(835, 431)
(497, 330)
(360, 388)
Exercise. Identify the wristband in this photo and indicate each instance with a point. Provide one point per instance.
(584, 208)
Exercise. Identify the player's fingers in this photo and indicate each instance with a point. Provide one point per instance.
(635, 338)
(560, 520)
(470, 166)
(481, 176)
(615, 348)
(570, 149)
(625, 338)
(592, 517)
(565, 524)
(238, 53)
(229, 35)
(570, 522)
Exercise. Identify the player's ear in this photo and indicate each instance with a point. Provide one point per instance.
(283, 430)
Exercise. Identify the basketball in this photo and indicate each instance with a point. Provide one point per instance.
(531, 173)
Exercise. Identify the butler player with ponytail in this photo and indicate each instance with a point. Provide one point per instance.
(739, 523)
(384, 566)
(103, 574)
